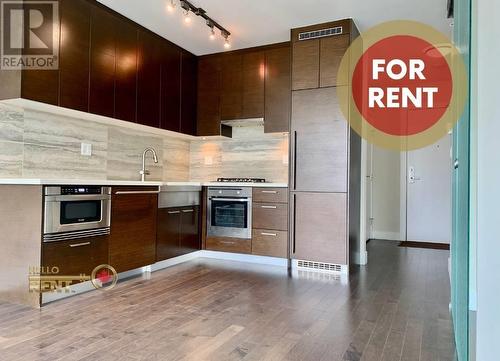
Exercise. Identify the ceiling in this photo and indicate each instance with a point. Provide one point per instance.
(260, 22)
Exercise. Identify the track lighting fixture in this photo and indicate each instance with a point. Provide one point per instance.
(188, 8)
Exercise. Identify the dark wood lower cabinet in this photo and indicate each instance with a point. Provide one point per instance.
(227, 244)
(132, 243)
(178, 232)
(75, 257)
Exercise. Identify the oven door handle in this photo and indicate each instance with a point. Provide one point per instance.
(230, 199)
(69, 198)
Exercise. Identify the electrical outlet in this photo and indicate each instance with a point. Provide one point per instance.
(86, 149)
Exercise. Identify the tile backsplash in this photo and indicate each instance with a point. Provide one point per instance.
(36, 144)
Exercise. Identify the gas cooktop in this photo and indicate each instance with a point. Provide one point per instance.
(242, 180)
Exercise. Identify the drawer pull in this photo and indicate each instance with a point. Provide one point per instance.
(269, 207)
(270, 192)
(268, 234)
(80, 244)
(174, 212)
(227, 242)
(187, 210)
(137, 192)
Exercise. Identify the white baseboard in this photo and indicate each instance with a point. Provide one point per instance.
(390, 236)
(174, 261)
(248, 258)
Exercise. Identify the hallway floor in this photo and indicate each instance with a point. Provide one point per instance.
(396, 308)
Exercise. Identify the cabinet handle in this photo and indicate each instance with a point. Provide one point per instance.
(137, 192)
(80, 244)
(268, 234)
(270, 192)
(227, 242)
(174, 212)
(294, 160)
(187, 210)
(269, 207)
(294, 222)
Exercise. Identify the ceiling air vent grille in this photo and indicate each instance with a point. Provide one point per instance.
(308, 35)
(320, 266)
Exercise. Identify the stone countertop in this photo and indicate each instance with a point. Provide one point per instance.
(104, 182)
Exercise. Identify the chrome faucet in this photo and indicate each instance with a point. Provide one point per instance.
(144, 172)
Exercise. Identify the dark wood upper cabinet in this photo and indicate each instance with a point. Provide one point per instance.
(305, 66)
(209, 96)
(253, 72)
(188, 94)
(277, 94)
(74, 54)
(126, 71)
(170, 88)
(332, 49)
(149, 80)
(102, 62)
(232, 87)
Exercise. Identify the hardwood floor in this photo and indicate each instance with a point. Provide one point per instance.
(396, 308)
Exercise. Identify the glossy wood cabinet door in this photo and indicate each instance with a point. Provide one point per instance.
(170, 88)
(209, 96)
(305, 65)
(332, 50)
(126, 71)
(319, 221)
(319, 140)
(253, 73)
(277, 90)
(178, 232)
(190, 230)
(168, 236)
(232, 87)
(188, 93)
(149, 80)
(132, 242)
(74, 55)
(76, 257)
(102, 62)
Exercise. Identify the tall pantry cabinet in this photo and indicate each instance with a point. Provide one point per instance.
(325, 152)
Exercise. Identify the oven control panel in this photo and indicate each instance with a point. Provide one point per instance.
(80, 190)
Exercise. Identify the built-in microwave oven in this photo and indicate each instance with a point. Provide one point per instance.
(72, 212)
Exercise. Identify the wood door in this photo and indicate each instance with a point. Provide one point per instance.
(189, 230)
(148, 80)
(126, 71)
(102, 62)
(77, 256)
(332, 49)
(209, 95)
(232, 87)
(319, 221)
(168, 235)
(253, 73)
(305, 64)
(319, 142)
(277, 90)
(270, 216)
(74, 54)
(170, 88)
(188, 93)
(132, 242)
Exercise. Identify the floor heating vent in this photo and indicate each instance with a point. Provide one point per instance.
(319, 266)
(308, 35)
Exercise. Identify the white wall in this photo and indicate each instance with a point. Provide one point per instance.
(488, 179)
(386, 195)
